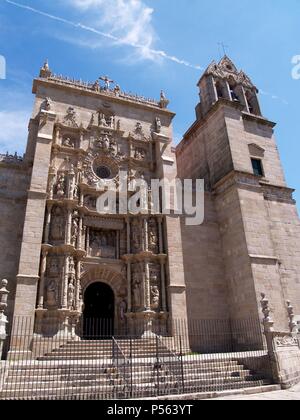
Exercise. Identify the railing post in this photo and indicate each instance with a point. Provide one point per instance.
(181, 365)
(131, 372)
(268, 324)
(3, 319)
(157, 366)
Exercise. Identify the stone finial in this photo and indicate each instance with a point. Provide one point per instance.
(164, 102)
(292, 323)
(266, 310)
(3, 295)
(45, 71)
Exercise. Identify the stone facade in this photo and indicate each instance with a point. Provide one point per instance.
(56, 244)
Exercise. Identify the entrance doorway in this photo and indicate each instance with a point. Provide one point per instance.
(99, 311)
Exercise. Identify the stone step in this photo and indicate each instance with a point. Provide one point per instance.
(109, 391)
(62, 392)
(109, 352)
(13, 382)
(95, 373)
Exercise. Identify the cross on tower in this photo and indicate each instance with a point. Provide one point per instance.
(221, 44)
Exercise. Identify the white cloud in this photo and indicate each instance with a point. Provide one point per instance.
(128, 20)
(124, 22)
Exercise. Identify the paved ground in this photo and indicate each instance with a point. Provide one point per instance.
(290, 394)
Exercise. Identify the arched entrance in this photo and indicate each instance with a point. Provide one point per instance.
(99, 311)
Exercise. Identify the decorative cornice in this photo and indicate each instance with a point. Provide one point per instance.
(94, 89)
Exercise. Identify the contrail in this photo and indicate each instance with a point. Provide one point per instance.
(79, 25)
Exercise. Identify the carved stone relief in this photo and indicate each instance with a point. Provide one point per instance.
(57, 224)
(136, 238)
(137, 286)
(102, 244)
(153, 236)
(70, 118)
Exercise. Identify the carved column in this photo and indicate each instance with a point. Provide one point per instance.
(81, 199)
(129, 301)
(147, 292)
(48, 223)
(42, 279)
(65, 283)
(146, 235)
(128, 235)
(71, 184)
(81, 138)
(78, 274)
(118, 245)
(163, 286)
(69, 226)
(57, 135)
(87, 240)
(80, 228)
(160, 235)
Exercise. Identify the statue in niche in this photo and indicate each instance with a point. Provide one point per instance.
(51, 293)
(153, 237)
(68, 143)
(53, 267)
(61, 185)
(57, 225)
(139, 154)
(136, 235)
(136, 290)
(74, 231)
(71, 294)
(123, 310)
(155, 295)
(75, 191)
(71, 265)
(102, 120)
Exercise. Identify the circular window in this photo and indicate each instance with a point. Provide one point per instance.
(103, 172)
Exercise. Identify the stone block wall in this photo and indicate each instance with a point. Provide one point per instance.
(14, 181)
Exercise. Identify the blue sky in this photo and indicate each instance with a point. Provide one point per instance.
(149, 45)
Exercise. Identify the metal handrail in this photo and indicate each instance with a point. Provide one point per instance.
(179, 377)
(127, 363)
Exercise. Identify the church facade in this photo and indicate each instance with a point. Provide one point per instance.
(66, 263)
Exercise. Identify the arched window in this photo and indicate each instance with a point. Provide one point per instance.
(219, 89)
(252, 103)
(234, 96)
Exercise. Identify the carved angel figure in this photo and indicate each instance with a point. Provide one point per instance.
(71, 294)
(60, 191)
(155, 297)
(51, 293)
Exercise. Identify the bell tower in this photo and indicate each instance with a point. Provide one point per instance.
(223, 81)
(232, 146)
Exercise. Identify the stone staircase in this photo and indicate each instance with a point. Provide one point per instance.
(87, 370)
